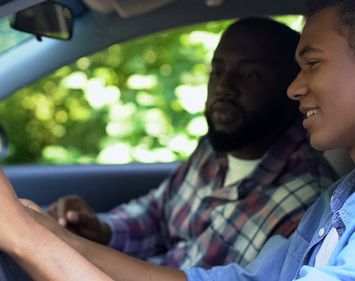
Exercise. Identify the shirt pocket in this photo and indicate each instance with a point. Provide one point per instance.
(297, 251)
(298, 246)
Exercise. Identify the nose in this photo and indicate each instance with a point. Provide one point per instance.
(226, 84)
(298, 88)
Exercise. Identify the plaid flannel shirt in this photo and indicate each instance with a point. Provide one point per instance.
(193, 220)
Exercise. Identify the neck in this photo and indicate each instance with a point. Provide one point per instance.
(257, 148)
(352, 154)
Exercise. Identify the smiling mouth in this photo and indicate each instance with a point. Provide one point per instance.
(311, 113)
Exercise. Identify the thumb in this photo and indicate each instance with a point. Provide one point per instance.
(72, 217)
(82, 220)
(88, 226)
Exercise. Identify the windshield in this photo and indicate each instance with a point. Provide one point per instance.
(10, 37)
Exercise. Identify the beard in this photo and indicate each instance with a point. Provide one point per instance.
(223, 141)
(252, 128)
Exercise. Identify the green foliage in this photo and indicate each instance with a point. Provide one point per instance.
(116, 106)
(137, 101)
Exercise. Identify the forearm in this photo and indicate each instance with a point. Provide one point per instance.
(47, 258)
(122, 267)
(42, 254)
(136, 228)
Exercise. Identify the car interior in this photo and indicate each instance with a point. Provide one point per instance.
(98, 24)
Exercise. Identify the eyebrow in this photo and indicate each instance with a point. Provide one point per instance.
(306, 50)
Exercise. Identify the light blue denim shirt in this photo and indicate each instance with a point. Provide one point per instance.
(288, 259)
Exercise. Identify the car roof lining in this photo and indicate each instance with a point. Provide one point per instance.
(12, 6)
(111, 29)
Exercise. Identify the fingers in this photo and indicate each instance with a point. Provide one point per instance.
(87, 220)
(72, 216)
(83, 224)
(82, 220)
(45, 220)
(53, 212)
(73, 213)
(92, 228)
(64, 204)
(67, 208)
(76, 220)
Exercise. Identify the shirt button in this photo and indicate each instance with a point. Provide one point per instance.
(321, 232)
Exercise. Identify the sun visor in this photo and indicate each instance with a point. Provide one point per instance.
(213, 3)
(126, 8)
(102, 6)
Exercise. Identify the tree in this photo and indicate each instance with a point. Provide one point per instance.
(141, 100)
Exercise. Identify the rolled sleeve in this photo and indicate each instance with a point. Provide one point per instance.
(119, 230)
(225, 273)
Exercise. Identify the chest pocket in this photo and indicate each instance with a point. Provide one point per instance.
(295, 255)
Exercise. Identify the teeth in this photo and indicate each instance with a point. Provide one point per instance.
(311, 112)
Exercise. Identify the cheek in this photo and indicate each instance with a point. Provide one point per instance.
(262, 96)
(209, 100)
(340, 94)
(340, 77)
(336, 98)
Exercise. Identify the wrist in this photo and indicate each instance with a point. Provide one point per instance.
(17, 233)
(106, 234)
(28, 239)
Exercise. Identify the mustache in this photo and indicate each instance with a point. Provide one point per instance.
(226, 100)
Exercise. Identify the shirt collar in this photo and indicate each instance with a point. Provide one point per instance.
(278, 156)
(343, 202)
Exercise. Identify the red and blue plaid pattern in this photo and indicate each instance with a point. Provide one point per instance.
(193, 220)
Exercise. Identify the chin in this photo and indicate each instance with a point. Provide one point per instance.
(225, 129)
(322, 144)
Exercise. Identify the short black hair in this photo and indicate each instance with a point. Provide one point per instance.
(280, 38)
(346, 15)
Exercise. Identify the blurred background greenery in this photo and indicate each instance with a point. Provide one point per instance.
(138, 101)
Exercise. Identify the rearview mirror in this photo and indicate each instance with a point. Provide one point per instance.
(48, 19)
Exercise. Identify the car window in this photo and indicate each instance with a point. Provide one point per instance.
(138, 101)
(10, 37)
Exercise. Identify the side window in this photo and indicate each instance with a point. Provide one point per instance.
(138, 101)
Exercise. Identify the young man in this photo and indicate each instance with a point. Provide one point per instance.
(252, 177)
(322, 247)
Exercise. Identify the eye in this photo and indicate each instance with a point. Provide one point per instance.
(311, 64)
(216, 71)
(251, 75)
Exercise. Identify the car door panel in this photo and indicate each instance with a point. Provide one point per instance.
(103, 186)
